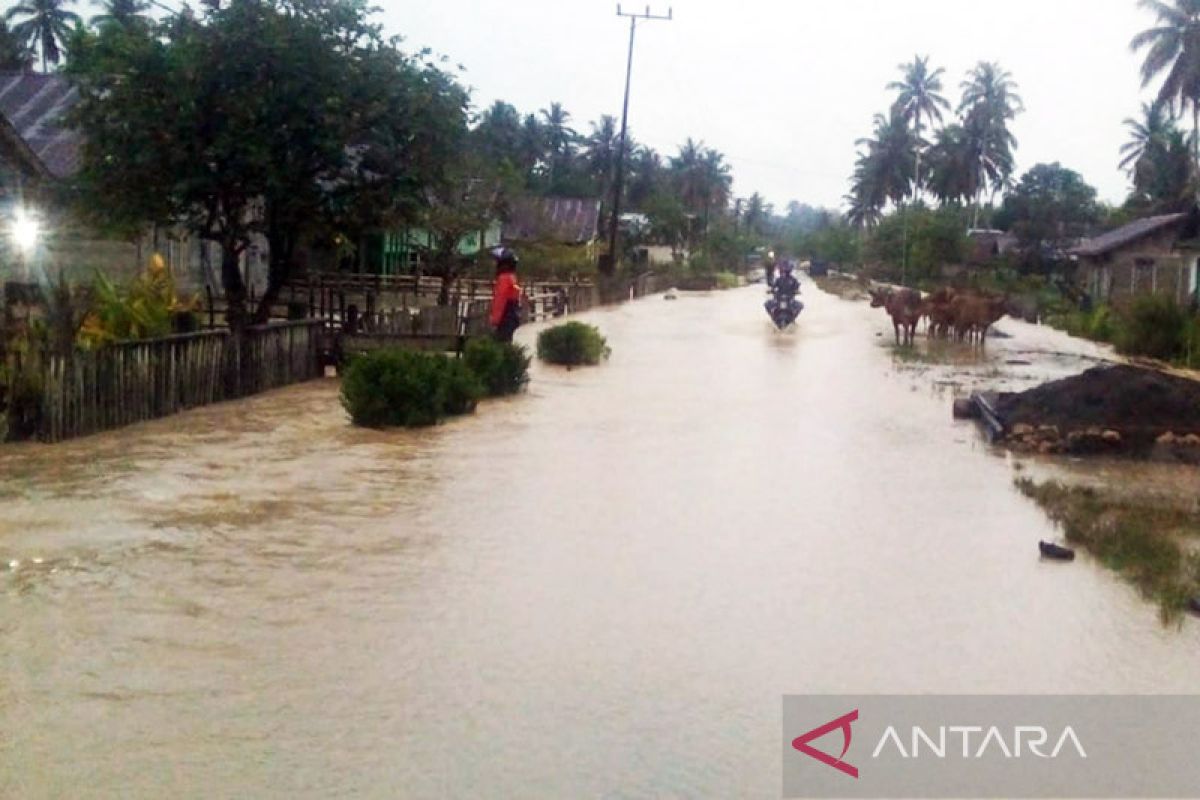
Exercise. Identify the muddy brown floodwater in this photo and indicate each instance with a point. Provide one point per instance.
(601, 588)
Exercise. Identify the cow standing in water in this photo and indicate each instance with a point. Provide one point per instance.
(904, 307)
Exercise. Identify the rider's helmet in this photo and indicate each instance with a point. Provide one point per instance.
(786, 266)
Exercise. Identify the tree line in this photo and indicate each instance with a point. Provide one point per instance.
(301, 121)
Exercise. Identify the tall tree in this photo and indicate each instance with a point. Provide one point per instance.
(473, 193)
(1173, 47)
(953, 165)
(14, 53)
(498, 134)
(44, 27)
(533, 150)
(560, 142)
(1050, 204)
(884, 172)
(718, 183)
(1158, 159)
(600, 153)
(126, 13)
(989, 102)
(645, 177)
(264, 119)
(919, 101)
(1155, 127)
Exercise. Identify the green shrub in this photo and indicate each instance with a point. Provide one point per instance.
(502, 368)
(571, 344)
(1154, 326)
(463, 388)
(390, 388)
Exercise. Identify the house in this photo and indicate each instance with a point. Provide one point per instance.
(572, 221)
(987, 245)
(402, 251)
(1155, 255)
(37, 154)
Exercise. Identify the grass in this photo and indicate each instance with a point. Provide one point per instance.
(1147, 542)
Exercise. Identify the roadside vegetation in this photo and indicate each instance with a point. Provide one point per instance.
(1152, 326)
(1148, 541)
(400, 388)
(572, 344)
(502, 368)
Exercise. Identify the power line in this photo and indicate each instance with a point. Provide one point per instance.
(619, 178)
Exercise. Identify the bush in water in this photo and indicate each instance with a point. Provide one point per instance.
(389, 388)
(571, 344)
(502, 368)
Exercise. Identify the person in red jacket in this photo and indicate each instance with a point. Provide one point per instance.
(506, 295)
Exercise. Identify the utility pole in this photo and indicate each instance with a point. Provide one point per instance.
(619, 177)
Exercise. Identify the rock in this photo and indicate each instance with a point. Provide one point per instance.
(1022, 429)
(1047, 448)
(1167, 438)
(1112, 437)
(1048, 430)
(1191, 440)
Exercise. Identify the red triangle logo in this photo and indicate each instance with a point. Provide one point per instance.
(801, 743)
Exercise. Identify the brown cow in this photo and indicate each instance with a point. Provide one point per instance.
(937, 307)
(974, 314)
(904, 307)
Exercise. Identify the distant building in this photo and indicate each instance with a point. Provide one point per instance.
(37, 153)
(988, 245)
(1155, 255)
(404, 251)
(571, 221)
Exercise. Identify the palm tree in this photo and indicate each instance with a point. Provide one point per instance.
(600, 150)
(688, 172)
(560, 138)
(45, 27)
(123, 13)
(532, 148)
(1155, 127)
(1174, 47)
(756, 213)
(989, 102)
(887, 165)
(645, 171)
(953, 166)
(990, 86)
(14, 55)
(498, 134)
(919, 100)
(718, 183)
(859, 212)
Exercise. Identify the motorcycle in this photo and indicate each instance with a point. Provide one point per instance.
(783, 309)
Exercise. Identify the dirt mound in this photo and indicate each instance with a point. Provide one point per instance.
(1141, 405)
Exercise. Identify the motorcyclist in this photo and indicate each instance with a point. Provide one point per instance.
(784, 291)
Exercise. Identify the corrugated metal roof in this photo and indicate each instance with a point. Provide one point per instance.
(1126, 234)
(34, 105)
(569, 220)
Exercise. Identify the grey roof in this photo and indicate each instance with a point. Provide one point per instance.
(1126, 234)
(34, 105)
(567, 220)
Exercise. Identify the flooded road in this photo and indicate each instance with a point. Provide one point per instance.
(599, 589)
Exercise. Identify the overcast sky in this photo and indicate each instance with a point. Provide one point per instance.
(785, 87)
